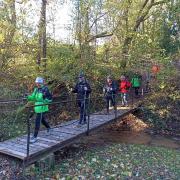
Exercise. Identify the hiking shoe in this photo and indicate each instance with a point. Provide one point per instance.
(84, 123)
(107, 112)
(33, 139)
(79, 125)
(49, 131)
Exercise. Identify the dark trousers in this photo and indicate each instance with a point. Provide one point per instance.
(136, 90)
(83, 107)
(110, 99)
(148, 87)
(40, 117)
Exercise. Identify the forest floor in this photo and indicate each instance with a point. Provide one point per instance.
(127, 149)
(124, 150)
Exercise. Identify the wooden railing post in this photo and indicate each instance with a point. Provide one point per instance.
(115, 106)
(132, 97)
(28, 132)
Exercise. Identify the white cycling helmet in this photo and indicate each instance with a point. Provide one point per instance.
(39, 80)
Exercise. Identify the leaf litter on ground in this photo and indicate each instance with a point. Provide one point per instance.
(122, 161)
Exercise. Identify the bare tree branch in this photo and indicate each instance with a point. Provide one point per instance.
(142, 17)
(143, 6)
(98, 19)
(101, 35)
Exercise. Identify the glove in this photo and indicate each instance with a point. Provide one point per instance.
(104, 90)
(85, 88)
(25, 96)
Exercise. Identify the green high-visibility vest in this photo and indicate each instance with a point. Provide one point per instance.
(37, 97)
(135, 82)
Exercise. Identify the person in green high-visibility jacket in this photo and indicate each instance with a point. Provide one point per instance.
(40, 96)
(136, 84)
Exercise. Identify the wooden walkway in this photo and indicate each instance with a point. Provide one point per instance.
(60, 137)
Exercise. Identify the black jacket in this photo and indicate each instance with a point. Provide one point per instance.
(110, 89)
(79, 89)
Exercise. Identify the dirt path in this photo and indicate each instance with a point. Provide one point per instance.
(131, 131)
(130, 137)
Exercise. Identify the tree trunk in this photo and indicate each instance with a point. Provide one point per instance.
(42, 51)
(143, 12)
(128, 39)
(79, 29)
(83, 32)
(86, 32)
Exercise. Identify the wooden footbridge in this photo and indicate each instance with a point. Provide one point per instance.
(61, 136)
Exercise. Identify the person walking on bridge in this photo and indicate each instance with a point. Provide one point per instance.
(123, 88)
(136, 84)
(40, 96)
(109, 91)
(83, 89)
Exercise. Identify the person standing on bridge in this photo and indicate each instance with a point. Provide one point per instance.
(83, 89)
(136, 83)
(109, 91)
(40, 96)
(123, 88)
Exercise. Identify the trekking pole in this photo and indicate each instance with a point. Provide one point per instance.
(71, 99)
(84, 107)
(9, 101)
(142, 91)
(115, 108)
(88, 113)
(28, 131)
(106, 102)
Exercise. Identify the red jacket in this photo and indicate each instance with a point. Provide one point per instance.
(124, 86)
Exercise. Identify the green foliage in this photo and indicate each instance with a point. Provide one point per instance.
(170, 28)
(13, 122)
(162, 108)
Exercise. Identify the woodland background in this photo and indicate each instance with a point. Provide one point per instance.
(106, 37)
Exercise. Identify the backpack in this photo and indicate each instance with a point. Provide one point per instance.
(46, 93)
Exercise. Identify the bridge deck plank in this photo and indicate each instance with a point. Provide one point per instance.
(59, 137)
